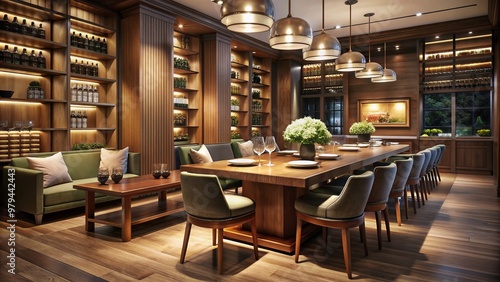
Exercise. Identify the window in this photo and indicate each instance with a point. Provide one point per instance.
(311, 107)
(334, 107)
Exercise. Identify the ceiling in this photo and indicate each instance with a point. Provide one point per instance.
(389, 14)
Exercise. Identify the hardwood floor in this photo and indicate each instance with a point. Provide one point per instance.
(454, 237)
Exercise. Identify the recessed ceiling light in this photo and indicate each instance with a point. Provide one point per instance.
(180, 26)
(337, 26)
(470, 32)
(437, 37)
(379, 49)
(397, 47)
(418, 14)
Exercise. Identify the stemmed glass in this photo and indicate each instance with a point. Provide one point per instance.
(270, 147)
(103, 175)
(117, 174)
(258, 146)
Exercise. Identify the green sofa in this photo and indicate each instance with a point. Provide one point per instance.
(31, 197)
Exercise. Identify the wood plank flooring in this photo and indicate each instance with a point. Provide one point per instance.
(454, 237)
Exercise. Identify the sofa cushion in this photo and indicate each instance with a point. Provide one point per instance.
(112, 158)
(54, 169)
(200, 156)
(246, 148)
(220, 151)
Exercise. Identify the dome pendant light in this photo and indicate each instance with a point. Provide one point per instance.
(290, 33)
(389, 75)
(372, 69)
(350, 61)
(323, 46)
(248, 16)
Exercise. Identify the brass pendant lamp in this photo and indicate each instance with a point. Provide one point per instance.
(247, 16)
(350, 61)
(323, 46)
(372, 69)
(290, 33)
(389, 75)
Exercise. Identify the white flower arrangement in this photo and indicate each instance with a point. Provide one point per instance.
(307, 131)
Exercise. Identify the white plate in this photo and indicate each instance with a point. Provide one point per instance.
(328, 156)
(350, 145)
(363, 145)
(297, 154)
(348, 148)
(241, 162)
(286, 152)
(303, 163)
(394, 143)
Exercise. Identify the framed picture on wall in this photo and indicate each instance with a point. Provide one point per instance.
(385, 112)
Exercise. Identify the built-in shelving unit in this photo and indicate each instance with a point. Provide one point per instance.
(50, 114)
(323, 95)
(187, 89)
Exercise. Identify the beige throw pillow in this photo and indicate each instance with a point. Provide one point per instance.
(246, 148)
(112, 158)
(54, 169)
(201, 156)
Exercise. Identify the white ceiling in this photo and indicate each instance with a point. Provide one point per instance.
(389, 14)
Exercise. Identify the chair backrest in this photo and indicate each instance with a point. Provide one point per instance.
(351, 202)
(418, 163)
(382, 184)
(441, 148)
(203, 196)
(434, 155)
(427, 153)
(404, 168)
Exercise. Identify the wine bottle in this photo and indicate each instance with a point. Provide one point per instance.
(98, 45)
(95, 70)
(5, 24)
(24, 27)
(33, 61)
(90, 93)
(88, 69)
(84, 119)
(79, 93)
(73, 66)
(81, 68)
(86, 42)
(96, 95)
(41, 32)
(73, 119)
(73, 39)
(7, 55)
(73, 92)
(16, 57)
(32, 30)
(85, 94)
(79, 119)
(41, 60)
(25, 58)
(79, 41)
(104, 46)
(14, 26)
(92, 44)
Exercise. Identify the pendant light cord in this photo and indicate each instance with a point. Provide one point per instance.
(323, 18)
(369, 40)
(385, 56)
(289, 8)
(350, 27)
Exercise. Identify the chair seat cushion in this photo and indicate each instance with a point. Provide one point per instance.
(328, 189)
(315, 204)
(239, 205)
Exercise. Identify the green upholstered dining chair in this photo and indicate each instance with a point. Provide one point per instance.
(442, 148)
(208, 206)
(343, 211)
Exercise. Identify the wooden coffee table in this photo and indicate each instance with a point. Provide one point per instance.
(126, 189)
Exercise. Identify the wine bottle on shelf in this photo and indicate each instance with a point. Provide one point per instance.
(32, 30)
(79, 93)
(96, 95)
(79, 119)
(88, 69)
(73, 119)
(73, 39)
(16, 57)
(24, 28)
(74, 90)
(95, 70)
(33, 59)
(41, 60)
(7, 55)
(41, 32)
(14, 26)
(85, 94)
(98, 45)
(73, 66)
(42, 93)
(92, 44)
(81, 68)
(104, 46)
(5, 24)
(84, 119)
(86, 42)
(79, 41)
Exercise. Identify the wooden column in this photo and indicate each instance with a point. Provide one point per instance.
(147, 85)
(216, 88)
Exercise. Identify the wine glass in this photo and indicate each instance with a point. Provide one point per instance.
(270, 147)
(165, 173)
(258, 146)
(117, 174)
(156, 171)
(103, 175)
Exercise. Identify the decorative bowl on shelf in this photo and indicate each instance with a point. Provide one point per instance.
(6, 93)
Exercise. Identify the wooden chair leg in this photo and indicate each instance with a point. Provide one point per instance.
(387, 224)
(438, 174)
(405, 196)
(379, 231)
(362, 231)
(214, 236)
(398, 210)
(220, 250)
(346, 244)
(324, 234)
(412, 190)
(255, 240)
(422, 189)
(298, 235)
(187, 232)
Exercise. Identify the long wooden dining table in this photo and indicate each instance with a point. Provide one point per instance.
(275, 188)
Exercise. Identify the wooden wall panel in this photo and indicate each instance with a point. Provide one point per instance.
(216, 88)
(147, 102)
(474, 156)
